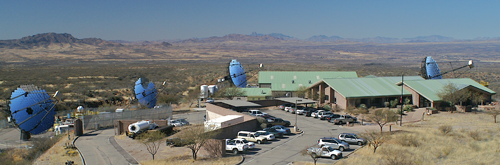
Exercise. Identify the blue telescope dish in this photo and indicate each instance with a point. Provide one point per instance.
(237, 74)
(145, 94)
(32, 109)
(432, 70)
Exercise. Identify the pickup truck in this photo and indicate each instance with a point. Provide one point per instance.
(252, 136)
(343, 119)
(234, 147)
(324, 151)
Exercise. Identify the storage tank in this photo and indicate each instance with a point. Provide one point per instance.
(204, 91)
(212, 89)
(138, 126)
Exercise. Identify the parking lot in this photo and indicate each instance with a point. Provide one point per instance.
(288, 149)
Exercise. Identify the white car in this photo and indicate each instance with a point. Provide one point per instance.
(234, 147)
(269, 136)
(325, 151)
(289, 109)
(315, 114)
(251, 145)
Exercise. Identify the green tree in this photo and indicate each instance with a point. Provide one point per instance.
(383, 116)
(152, 140)
(301, 91)
(232, 92)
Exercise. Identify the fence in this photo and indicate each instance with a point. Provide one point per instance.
(106, 119)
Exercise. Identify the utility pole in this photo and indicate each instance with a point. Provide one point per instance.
(402, 85)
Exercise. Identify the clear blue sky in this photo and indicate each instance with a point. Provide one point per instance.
(183, 19)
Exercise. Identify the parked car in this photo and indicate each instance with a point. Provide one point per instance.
(252, 136)
(352, 138)
(273, 131)
(343, 119)
(293, 109)
(269, 136)
(279, 121)
(179, 122)
(251, 145)
(257, 113)
(310, 111)
(303, 110)
(234, 147)
(289, 109)
(323, 114)
(282, 106)
(334, 143)
(315, 113)
(325, 151)
(282, 129)
(329, 117)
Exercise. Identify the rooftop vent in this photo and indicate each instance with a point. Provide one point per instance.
(310, 82)
(293, 81)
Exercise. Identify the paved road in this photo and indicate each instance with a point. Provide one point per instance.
(97, 149)
(289, 149)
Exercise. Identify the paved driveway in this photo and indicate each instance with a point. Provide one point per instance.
(289, 149)
(97, 149)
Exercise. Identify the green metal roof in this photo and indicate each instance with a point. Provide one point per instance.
(430, 88)
(369, 87)
(257, 91)
(292, 80)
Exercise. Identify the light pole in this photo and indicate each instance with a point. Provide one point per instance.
(295, 126)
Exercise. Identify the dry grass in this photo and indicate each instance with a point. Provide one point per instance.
(187, 159)
(307, 163)
(470, 139)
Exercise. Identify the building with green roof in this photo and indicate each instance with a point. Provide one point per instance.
(425, 93)
(371, 91)
(288, 82)
(255, 94)
(375, 91)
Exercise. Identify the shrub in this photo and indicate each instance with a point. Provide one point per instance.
(408, 141)
(327, 107)
(445, 129)
(475, 135)
(408, 108)
(214, 148)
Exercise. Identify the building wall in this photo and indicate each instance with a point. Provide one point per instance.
(341, 100)
(250, 123)
(329, 92)
(414, 95)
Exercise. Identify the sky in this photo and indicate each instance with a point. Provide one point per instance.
(183, 19)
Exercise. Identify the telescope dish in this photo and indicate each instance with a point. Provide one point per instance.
(145, 94)
(237, 74)
(31, 109)
(429, 69)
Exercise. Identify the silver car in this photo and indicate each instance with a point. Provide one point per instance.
(334, 143)
(351, 138)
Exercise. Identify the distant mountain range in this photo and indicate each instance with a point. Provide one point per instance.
(46, 39)
(324, 38)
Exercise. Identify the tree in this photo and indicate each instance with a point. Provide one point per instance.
(393, 103)
(195, 137)
(192, 96)
(232, 92)
(301, 91)
(152, 140)
(494, 113)
(382, 117)
(374, 139)
(315, 155)
(452, 94)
